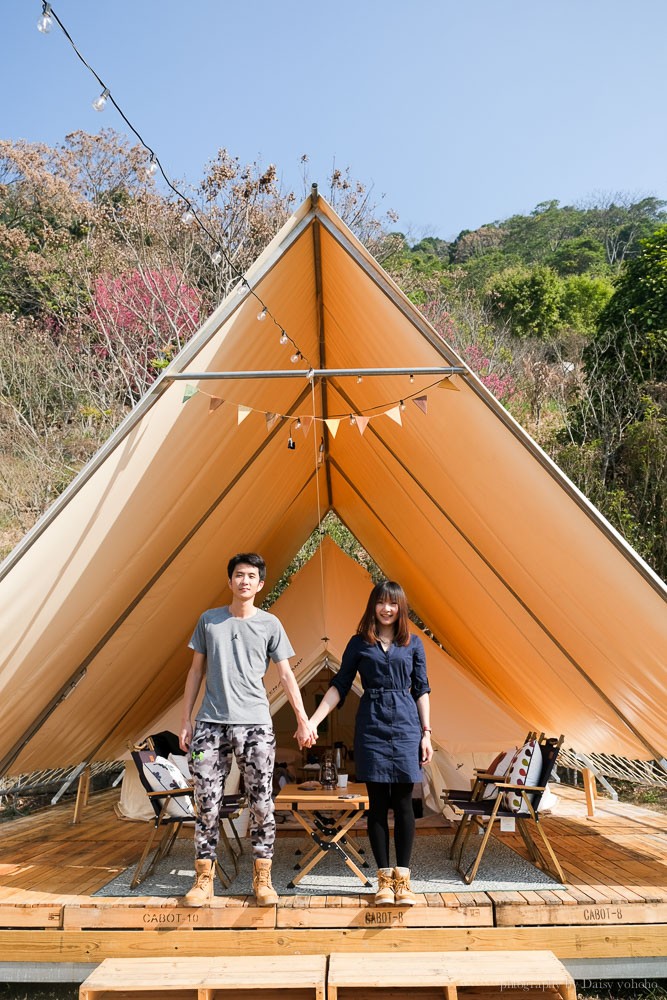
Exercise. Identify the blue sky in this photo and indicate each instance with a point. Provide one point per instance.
(458, 112)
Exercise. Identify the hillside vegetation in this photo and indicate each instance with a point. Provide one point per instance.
(562, 313)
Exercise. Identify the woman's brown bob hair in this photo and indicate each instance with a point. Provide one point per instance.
(386, 590)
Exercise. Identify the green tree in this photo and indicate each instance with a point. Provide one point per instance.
(529, 299)
(634, 323)
(584, 298)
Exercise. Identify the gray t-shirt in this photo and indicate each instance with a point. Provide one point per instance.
(237, 654)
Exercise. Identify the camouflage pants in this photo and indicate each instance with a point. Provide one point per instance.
(211, 759)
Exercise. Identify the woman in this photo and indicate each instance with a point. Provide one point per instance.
(392, 733)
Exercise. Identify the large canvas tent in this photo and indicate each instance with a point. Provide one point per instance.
(523, 582)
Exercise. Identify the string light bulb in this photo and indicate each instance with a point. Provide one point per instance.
(296, 357)
(283, 338)
(216, 258)
(297, 425)
(402, 405)
(412, 378)
(261, 316)
(99, 103)
(151, 169)
(241, 287)
(188, 217)
(352, 420)
(359, 379)
(45, 22)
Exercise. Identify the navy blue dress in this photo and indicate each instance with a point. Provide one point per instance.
(387, 733)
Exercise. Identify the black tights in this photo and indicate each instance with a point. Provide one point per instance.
(382, 797)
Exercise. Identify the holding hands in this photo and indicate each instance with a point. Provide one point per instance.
(306, 734)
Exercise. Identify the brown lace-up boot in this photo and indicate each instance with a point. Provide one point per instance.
(201, 892)
(265, 894)
(403, 894)
(385, 894)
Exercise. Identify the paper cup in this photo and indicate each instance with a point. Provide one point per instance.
(342, 781)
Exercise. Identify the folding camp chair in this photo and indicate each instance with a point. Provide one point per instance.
(479, 813)
(169, 820)
(482, 780)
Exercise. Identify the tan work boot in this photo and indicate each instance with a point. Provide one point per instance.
(385, 894)
(403, 894)
(265, 894)
(202, 891)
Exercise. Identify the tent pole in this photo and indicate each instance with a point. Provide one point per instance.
(319, 297)
(443, 370)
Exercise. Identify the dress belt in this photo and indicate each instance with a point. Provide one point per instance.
(378, 692)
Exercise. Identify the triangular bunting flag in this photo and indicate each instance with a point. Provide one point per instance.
(243, 412)
(421, 402)
(306, 423)
(361, 422)
(395, 414)
(333, 424)
(448, 384)
(271, 420)
(214, 402)
(189, 392)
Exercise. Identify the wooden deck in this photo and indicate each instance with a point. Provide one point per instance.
(615, 904)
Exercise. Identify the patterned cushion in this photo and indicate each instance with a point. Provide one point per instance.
(525, 769)
(499, 766)
(162, 775)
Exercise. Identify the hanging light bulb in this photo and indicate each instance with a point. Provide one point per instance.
(241, 287)
(352, 420)
(297, 425)
(100, 102)
(291, 443)
(188, 217)
(412, 378)
(402, 405)
(283, 338)
(296, 357)
(359, 379)
(151, 169)
(261, 316)
(45, 22)
(216, 258)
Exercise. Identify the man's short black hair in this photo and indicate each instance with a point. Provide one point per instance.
(250, 559)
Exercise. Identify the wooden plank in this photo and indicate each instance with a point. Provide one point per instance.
(594, 941)
(597, 913)
(164, 916)
(510, 970)
(134, 976)
(386, 917)
(31, 915)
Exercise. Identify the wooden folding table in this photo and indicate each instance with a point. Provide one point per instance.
(327, 817)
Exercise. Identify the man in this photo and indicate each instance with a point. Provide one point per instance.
(232, 646)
